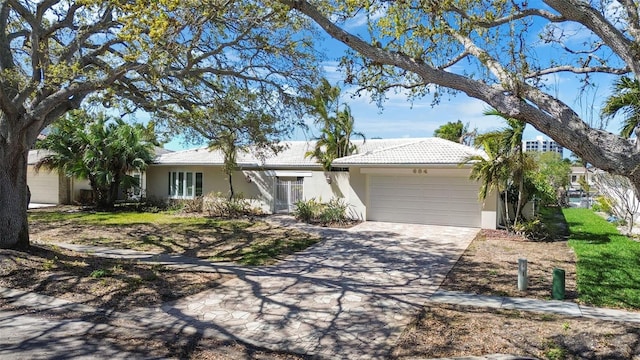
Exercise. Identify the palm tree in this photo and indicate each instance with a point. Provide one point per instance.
(100, 149)
(337, 126)
(335, 139)
(325, 101)
(509, 142)
(491, 171)
(65, 156)
(625, 100)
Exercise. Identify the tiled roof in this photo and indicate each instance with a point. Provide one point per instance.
(292, 155)
(37, 155)
(418, 151)
(372, 151)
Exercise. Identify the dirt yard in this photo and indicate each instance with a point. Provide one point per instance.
(489, 267)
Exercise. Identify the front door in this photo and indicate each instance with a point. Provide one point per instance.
(288, 192)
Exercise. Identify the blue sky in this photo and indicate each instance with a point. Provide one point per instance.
(402, 119)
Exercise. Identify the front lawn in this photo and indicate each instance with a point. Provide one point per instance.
(242, 241)
(608, 266)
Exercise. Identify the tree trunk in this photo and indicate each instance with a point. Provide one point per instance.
(230, 187)
(114, 191)
(14, 199)
(507, 219)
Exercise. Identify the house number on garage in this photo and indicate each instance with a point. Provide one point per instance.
(420, 171)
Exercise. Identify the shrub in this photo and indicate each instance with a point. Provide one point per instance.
(334, 212)
(150, 204)
(218, 205)
(602, 204)
(314, 211)
(532, 229)
(192, 205)
(307, 211)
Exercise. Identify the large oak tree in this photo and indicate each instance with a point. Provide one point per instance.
(163, 56)
(499, 51)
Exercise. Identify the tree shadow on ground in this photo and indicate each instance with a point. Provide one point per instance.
(450, 330)
(349, 295)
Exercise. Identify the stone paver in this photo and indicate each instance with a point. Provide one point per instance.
(349, 296)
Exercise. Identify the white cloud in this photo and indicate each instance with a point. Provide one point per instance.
(362, 17)
(332, 72)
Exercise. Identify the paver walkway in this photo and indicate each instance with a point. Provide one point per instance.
(348, 297)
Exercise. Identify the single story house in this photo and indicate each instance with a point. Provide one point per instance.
(398, 180)
(50, 186)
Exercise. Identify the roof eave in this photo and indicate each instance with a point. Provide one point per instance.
(401, 164)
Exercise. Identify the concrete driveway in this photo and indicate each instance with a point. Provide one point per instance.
(348, 297)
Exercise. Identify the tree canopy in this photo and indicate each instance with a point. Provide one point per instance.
(165, 57)
(456, 131)
(500, 52)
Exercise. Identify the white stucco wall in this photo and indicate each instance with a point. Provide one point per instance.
(77, 185)
(352, 186)
(255, 185)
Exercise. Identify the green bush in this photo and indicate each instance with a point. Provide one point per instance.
(314, 211)
(219, 205)
(532, 229)
(602, 204)
(308, 211)
(334, 212)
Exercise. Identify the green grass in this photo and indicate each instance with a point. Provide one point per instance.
(552, 218)
(112, 218)
(608, 268)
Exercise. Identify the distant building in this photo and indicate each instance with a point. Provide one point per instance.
(542, 145)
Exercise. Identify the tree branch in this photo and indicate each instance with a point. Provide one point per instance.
(581, 12)
(578, 70)
(545, 113)
(507, 19)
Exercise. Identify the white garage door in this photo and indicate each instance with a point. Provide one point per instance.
(44, 186)
(429, 200)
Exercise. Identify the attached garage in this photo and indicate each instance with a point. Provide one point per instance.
(419, 182)
(44, 186)
(432, 200)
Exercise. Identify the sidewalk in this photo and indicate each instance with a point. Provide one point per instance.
(534, 305)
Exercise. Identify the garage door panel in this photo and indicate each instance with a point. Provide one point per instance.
(425, 200)
(44, 186)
